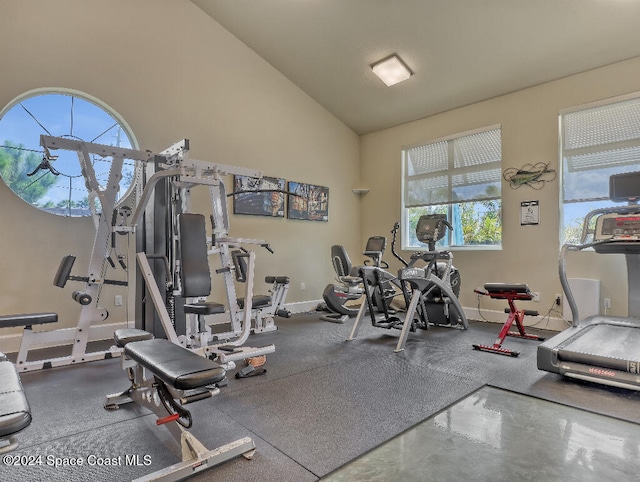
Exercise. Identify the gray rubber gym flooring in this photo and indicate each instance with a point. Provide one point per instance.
(325, 402)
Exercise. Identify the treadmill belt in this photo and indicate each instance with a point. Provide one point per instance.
(604, 345)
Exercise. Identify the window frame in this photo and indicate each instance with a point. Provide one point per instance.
(404, 210)
(594, 202)
(88, 99)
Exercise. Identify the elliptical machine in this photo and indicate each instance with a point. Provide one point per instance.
(430, 293)
(336, 296)
(434, 310)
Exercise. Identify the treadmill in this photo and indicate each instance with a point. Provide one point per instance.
(603, 349)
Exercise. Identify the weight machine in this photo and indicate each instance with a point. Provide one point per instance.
(106, 217)
(173, 247)
(167, 178)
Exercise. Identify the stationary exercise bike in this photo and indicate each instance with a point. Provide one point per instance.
(350, 288)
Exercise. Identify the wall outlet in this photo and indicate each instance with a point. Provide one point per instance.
(536, 296)
(558, 299)
(303, 286)
(117, 301)
(607, 303)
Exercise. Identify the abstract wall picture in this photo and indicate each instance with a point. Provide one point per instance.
(308, 202)
(259, 197)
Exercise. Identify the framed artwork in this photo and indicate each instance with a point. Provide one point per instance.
(268, 200)
(308, 202)
(529, 213)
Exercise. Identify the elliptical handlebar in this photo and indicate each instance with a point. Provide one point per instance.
(394, 233)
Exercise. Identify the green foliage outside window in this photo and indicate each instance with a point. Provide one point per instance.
(15, 164)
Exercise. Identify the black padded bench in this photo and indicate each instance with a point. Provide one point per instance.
(165, 377)
(15, 414)
(27, 320)
(504, 291)
(174, 365)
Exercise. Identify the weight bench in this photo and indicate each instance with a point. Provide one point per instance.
(509, 292)
(15, 415)
(165, 377)
(28, 336)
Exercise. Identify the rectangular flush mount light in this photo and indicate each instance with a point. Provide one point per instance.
(391, 70)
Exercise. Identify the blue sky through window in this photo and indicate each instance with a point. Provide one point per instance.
(64, 115)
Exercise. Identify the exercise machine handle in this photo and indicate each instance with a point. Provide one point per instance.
(394, 233)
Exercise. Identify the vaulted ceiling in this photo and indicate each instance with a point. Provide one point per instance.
(461, 51)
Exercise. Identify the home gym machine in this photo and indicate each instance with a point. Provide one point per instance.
(435, 284)
(511, 293)
(173, 262)
(167, 179)
(108, 220)
(336, 296)
(603, 349)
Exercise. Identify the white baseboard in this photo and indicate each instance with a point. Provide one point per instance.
(302, 306)
(65, 336)
(492, 316)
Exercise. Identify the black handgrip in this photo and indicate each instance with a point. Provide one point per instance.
(447, 223)
(196, 397)
(113, 265)
(531, 313)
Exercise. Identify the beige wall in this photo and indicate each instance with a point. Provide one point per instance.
(529, 120)
(171, 72)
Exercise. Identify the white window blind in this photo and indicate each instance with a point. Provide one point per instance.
(596, 143)
(462, 168)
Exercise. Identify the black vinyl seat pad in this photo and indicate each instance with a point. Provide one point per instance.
(257, 301)
(174, 365)
(27, 319)
(15, 414)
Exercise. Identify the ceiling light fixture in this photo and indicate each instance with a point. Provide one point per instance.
(391, 70)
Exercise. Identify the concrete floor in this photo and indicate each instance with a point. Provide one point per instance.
(495, 434)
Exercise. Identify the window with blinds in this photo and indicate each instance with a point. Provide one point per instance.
(460, 176)
(596, 141)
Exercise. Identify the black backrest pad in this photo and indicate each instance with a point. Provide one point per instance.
(64, 270)
(196, 277)
(173, 364)
(340, 260)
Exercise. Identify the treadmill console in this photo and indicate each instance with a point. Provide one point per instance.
(618, 226)
(619, 232)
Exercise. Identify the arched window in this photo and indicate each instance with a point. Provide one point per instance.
(58, 187)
